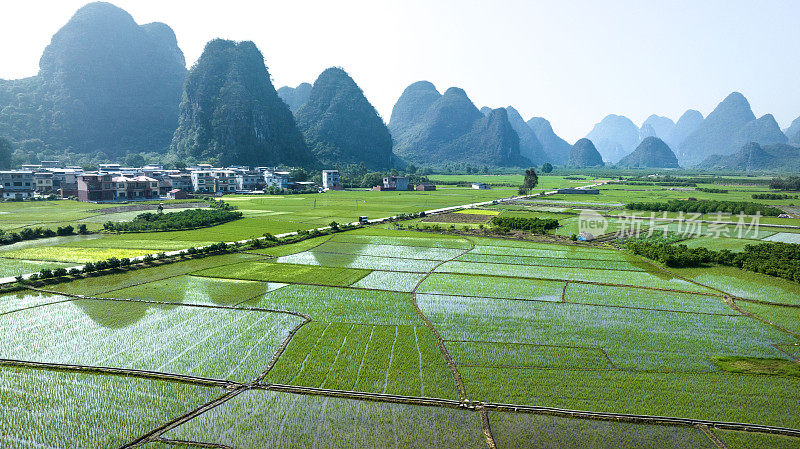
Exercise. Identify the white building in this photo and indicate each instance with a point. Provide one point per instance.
(214, 181)
(331, 180)
(279, 179)
(480, 186)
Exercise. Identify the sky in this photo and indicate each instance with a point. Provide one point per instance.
(572, 62)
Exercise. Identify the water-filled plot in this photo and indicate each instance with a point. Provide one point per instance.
(403, 360)
(46, 408)
(196, 341)
(257, 419)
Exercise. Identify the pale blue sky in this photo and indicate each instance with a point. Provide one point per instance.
(572, 62)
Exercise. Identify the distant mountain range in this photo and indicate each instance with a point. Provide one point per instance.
(615, 136)
(731, 125)
(556, 148)
(433, 128)
(753, 157)
(793, 132)
(693, 139)
(686, 124)
(108, 87)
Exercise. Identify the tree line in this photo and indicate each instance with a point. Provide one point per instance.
(535, 225)
(773, 196)
(773, 258)
(790, 183)
(174, 221)
(706, 206)
(8, 238)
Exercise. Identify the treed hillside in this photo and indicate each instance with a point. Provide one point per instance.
(793, 132)
(529, 145)
(411, 107)
(451, 129)
(584, 154)
(753, 156)
(661, 126)
(615, 136)
(104, 84)
(652, 152)
(230, 111)
(294, 97)
(341, 126)
(556, 148)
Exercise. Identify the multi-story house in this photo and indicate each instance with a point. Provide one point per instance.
(180, 181)
(17, 184)
(213, 181)
(331, 180)
(279, 179)
(135, 188)
(96, 187)
(225, 181)
(43, 181)
(249, 181)
(202, 181)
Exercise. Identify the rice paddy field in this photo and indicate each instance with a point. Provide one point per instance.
(379, 337)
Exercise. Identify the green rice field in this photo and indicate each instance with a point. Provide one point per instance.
(378, 337)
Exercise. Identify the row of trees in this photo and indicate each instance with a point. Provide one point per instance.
(773, 196)
(535, 225)
(790, 183)
(7, 238)
(706, 206)
(774, 258)
(174, 221)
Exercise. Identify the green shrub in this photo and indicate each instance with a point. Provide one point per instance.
(173, 221)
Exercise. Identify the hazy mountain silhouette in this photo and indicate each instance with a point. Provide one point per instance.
(614, 137)
(764, 130)
(718, 134)
(412, 106)
(556, 148)
(753, 157)
(662, 126)
(452, 129)
(294, 97)
(529, 145)
(685, 125)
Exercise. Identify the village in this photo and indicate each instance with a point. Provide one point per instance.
(115, 183)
